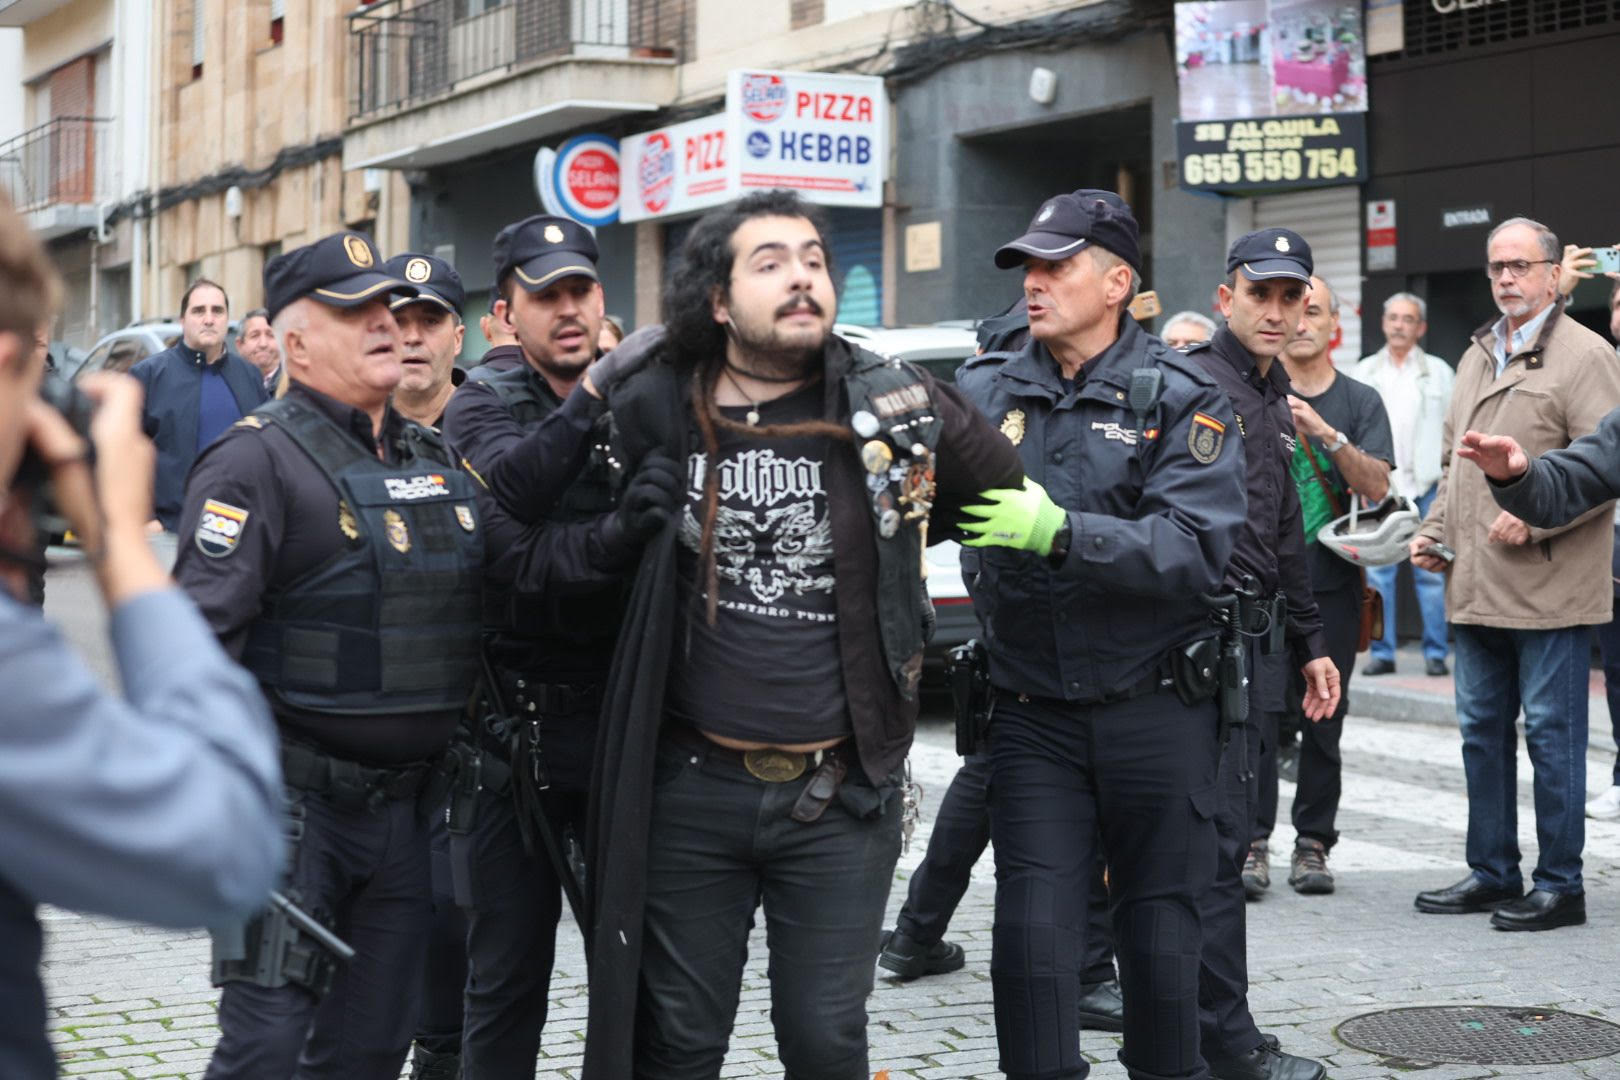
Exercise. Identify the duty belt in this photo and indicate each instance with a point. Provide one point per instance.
(349, 781)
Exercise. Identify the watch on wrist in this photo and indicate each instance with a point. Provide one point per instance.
(1339, 442)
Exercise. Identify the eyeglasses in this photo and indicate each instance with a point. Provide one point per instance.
(1516, 268)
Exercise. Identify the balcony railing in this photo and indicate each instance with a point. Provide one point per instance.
(68, 161)
(407, 51)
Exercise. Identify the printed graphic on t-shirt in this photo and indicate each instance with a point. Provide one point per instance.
(772, 537)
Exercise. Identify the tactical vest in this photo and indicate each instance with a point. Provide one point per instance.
(526, 396)
(896, 435)
(388, 625)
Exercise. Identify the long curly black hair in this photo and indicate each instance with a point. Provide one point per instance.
(696, 344)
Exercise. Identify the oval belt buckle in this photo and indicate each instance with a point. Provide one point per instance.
(774, 766)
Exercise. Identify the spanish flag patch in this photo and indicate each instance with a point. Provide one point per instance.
(1205, 436)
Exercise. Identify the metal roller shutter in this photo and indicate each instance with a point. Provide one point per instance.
(1330, 219)
(856, 243)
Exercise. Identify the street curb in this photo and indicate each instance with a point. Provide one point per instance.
(1412, 707)
(1407, 706)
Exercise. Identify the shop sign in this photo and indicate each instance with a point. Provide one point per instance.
(1273, 154)
(1381, 235)
(675, 170)
(825, 136)
(580, 179)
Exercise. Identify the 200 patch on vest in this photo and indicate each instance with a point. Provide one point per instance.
(219, 528)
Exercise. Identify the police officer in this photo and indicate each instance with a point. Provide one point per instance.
(962, 822)
(549, 648)
(430, 332)
(336, 551)
(1098, 645)
(1263, 297)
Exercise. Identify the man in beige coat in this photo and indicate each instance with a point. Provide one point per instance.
(1521, 599)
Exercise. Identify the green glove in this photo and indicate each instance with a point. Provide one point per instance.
(1024, 518)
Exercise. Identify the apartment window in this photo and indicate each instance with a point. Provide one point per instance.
(199, 38)
(278, 16)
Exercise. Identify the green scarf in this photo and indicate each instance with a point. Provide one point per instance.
(1315, 508)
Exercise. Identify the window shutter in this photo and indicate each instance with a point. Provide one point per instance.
(198, 33)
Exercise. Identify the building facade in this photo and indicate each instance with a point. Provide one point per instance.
(250, 102)
(1488, 112)
(79, 148)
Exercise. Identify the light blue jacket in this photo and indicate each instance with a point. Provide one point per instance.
(162, 806)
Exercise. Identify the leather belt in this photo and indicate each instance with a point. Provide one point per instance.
(773, 766)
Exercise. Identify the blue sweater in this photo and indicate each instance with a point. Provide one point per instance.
(173, 380)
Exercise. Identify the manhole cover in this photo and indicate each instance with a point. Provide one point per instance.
(1482, 1035)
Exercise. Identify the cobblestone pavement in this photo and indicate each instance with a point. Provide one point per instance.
(135, 1002)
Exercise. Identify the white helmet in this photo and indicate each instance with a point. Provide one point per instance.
(1377, 536)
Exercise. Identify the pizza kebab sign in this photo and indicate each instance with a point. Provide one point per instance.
(824, 136)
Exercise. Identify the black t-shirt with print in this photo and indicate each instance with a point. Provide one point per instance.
(768, 670)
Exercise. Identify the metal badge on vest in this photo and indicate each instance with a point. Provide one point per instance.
(897, 431)
(390, 623)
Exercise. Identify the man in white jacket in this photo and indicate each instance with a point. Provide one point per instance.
(1416, 389)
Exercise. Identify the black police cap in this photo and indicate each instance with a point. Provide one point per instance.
(342, 270)
(436, 281)
(1270, 254)
(544, 249)
(1065, 224)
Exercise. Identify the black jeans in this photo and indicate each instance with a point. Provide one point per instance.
(511, 935)
(1316, 798)
(1143, 773)
(961, 833)
(366, 873)
(721, 844)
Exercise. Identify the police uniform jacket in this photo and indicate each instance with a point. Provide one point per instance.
(1153, 516)
(1271, 547)
(173, 383)
(291, 523)
(482, 429)
(554, 588)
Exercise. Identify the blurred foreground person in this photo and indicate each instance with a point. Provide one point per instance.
(161, 805)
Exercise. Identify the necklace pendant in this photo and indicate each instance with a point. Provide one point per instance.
(753, 418)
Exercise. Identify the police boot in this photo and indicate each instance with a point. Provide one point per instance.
(1102, 1007)
(908, 958)
(1266, 1062)
(426, 1065)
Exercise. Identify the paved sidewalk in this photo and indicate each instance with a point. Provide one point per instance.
(135, 1002)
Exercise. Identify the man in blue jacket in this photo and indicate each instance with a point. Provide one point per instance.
(195, 389)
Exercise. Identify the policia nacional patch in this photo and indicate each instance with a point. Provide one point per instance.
(1205, 437)
(219, 528)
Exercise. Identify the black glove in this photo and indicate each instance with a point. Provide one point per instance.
(649, 499)
(625, 358)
